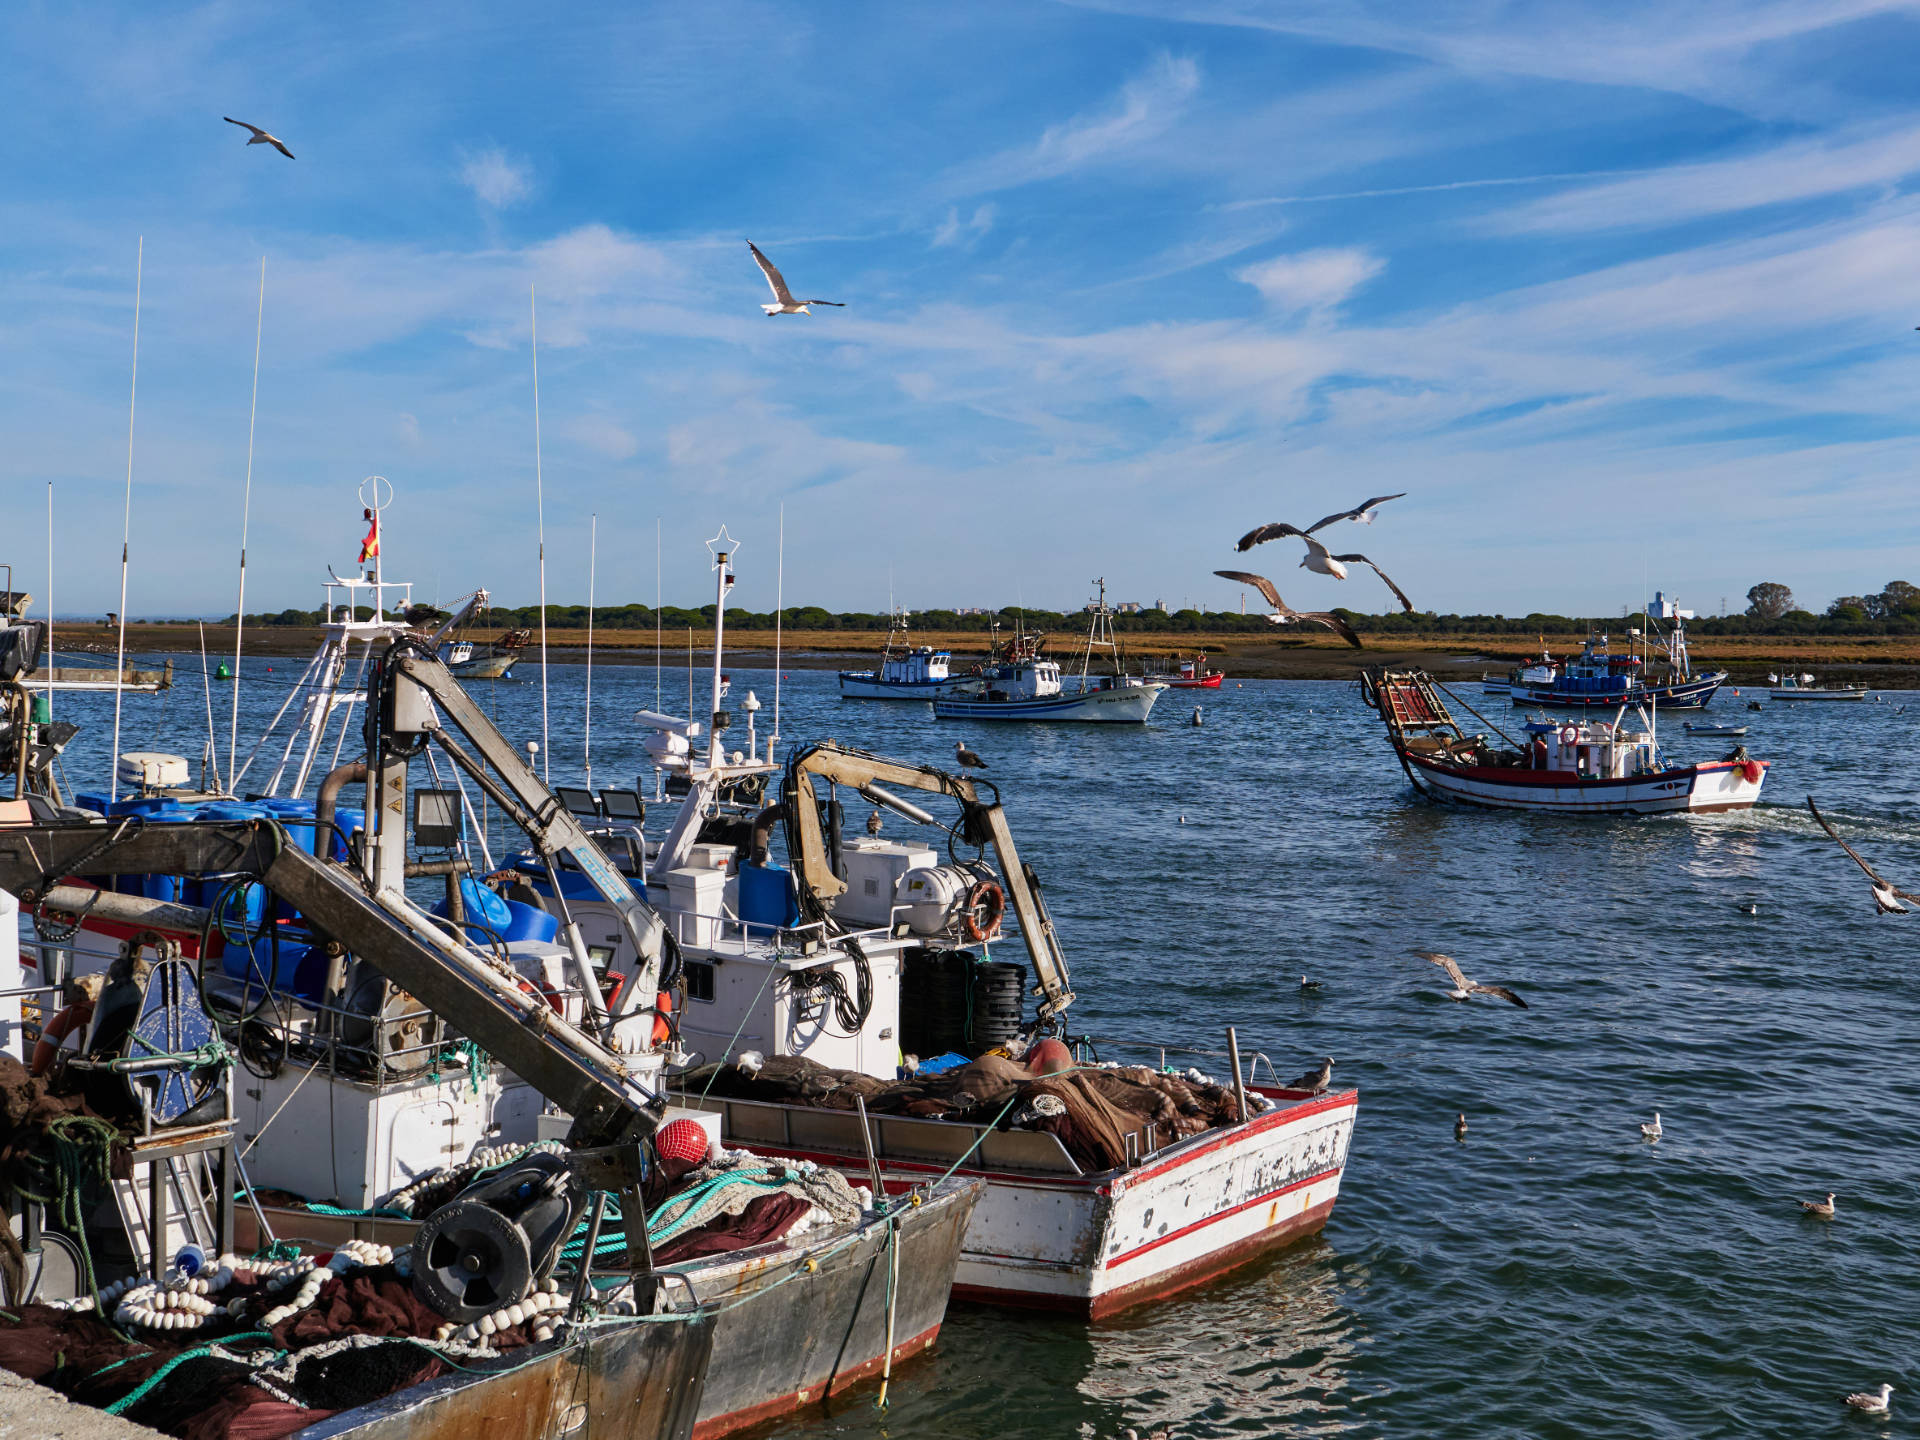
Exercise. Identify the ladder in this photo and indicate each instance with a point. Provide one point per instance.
(183, 1199)
(1409, 702)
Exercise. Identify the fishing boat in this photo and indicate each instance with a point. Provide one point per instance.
(493, 661)
(906, 671)
(841, 1007)
(1730, 732)
(1584, 767)
(1189, 675)
(1601, 678)
(1804, 687)
(1020, 684)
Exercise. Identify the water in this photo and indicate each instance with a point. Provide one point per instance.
(1554, 1275)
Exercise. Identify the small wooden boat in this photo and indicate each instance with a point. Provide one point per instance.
(1729, 731)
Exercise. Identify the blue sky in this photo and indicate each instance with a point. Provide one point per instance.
(1613, 290)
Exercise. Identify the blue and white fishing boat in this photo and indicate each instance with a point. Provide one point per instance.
(908, 672)
(1600, 678)
(1024, 686)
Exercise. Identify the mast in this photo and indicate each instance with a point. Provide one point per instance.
(586, 738)
(540, 514)
(779, 601)
(724, 548)
(126, 530)
(246, 507)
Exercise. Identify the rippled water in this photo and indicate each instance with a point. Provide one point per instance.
(1553, 1275)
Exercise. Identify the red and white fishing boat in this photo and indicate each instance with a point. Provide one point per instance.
(1589, 767)
(1190, 675)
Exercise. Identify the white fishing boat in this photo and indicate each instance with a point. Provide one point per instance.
(1804, 687)
(905, 671)
(485, 662)
(1588, 767)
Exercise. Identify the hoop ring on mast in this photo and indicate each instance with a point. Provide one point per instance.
(374, 502)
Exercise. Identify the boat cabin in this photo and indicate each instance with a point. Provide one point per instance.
(1594, 750)
(918, 666)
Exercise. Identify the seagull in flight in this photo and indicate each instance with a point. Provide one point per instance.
(968, 760)
(260, 137)
(787, 304)
(1363, 512)
(1872, 1404)
(1315, 1082)
(1886, 898)
(1319, 559)
(1284, 614)
(1463, 988)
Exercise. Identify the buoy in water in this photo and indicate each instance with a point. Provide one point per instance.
(1196, 714)
(221, 672)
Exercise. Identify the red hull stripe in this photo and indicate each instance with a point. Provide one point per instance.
(1501, 775)
(1173, 1235)
(1272, 1119)
(717, 1425)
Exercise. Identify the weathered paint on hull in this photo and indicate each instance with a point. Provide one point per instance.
(1701, 789)
(492, 667)
(619, 1382)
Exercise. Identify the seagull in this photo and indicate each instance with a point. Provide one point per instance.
(260, 137)
(1307, 987)
(873, 823)
(1315, 1081)
(1460, 1127)
(1363, 512)
(1886, 898)
(787, 304)
(1870, 1404)
(1653, 1131)
(968, 760)
(1822, 1208)
(422, 614)
(1283, 614)
(1749, 908)
(1463, 988)
(1319, 559)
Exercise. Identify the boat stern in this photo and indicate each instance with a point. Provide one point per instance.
(1727, 785)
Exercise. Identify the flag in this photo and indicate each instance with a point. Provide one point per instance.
(370, 546)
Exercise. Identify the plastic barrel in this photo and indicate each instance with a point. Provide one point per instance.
(529, 922)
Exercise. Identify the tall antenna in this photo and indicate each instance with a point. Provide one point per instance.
(779, 603)
(658, 654)
(540, 506)
(126, 527)
(50, 660)
(246, 507)
(586, 738)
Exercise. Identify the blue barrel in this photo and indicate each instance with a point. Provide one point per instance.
(301, 968)
(529, 922)
(345, 822)
(767, 896)
(480, 903)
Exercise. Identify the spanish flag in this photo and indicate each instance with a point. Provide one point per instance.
(370, 546)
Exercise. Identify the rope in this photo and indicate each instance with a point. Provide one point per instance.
(152, 1382)
(82, 1160)
(214, 1052)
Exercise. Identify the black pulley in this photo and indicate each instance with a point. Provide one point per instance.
(469, 1260)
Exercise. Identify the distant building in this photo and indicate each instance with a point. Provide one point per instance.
(1126, 607)
(972, 610)
(1161, 606)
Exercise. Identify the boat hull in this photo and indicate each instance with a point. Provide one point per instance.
(861, 685)
(1095, 1245)
(1715, 786)
(1208, 682)
(485, 667)
(1124, 705)
(1690, 695)
(1816, 694)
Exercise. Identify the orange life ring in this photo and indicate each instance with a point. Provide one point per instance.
(1569, 735)
(986, 903)
(57, 1029)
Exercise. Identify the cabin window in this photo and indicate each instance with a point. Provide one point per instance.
(699, 981)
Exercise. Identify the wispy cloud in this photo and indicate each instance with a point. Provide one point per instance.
(1313, 281)
(954, 231)
(497, 181)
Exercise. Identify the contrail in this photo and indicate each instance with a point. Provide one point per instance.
(1429, 189)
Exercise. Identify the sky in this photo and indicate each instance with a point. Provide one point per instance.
(1622, 295)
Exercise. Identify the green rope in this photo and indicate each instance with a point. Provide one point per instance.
(152, 1382)
(82, 1163)
(214, 1052)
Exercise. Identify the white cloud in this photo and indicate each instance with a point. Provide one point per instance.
(953, 231)
(603, 436)
(1316, 281)
(497, 181)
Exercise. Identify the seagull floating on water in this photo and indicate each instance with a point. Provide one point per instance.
(1315, 1081)
(1822, 1208)
(1463, 988)
(968, 760)
(1749, 909)
(261, 137)
(786, 305)
(1307, 987)
(1319, 559)
(1653, 1131)
(1284, 614)
(1460, 1126)
(1886, 897)
(1868, 1403)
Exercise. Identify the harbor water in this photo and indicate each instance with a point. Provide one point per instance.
(1551, 1275)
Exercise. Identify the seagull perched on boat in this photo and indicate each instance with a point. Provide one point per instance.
(1363, 512)
(1283, 614)
(873, 823)
(1868, 1403)
(422, 614)
(1821, 1208)
(968, 760)
(1653, 1131)
(1463, 988)
(1315, 1081)
(1319, 559)
(1886, 898)
(260, 137)
(787, 304)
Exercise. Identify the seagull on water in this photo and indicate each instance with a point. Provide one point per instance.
(1284, 614)
(260, 137)
(786, 305)
(1653, 1131)
(1822, 1208)
(968, 760)
(1315, 1081)
(1319, 559)
(1307, 987)
(1463, 988)
(1868, 1403)
(1886, 898)
(1460, 1126)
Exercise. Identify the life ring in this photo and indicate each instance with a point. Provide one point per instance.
(1569, 735)
(74, 1017)
(986, 903)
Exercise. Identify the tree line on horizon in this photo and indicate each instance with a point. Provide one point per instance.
(1894, 610)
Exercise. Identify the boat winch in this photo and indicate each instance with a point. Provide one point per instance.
(486, 1248)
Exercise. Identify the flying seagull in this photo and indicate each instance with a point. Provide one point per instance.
(260, 137)
(1283, 614)
(1363, 512)
(1886, 898)
(1314, 1081)
(787, 304)
(968, 760)
(1872, 1404)
(1822, 1208)
(1319, 559)
(1653, 1131)
(1463, 988)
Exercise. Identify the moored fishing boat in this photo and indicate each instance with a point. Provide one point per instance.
(905, 672)
(1020, 684)
(1600, 678)
(1189, 675)
(1804, 687)
(1589, 767)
